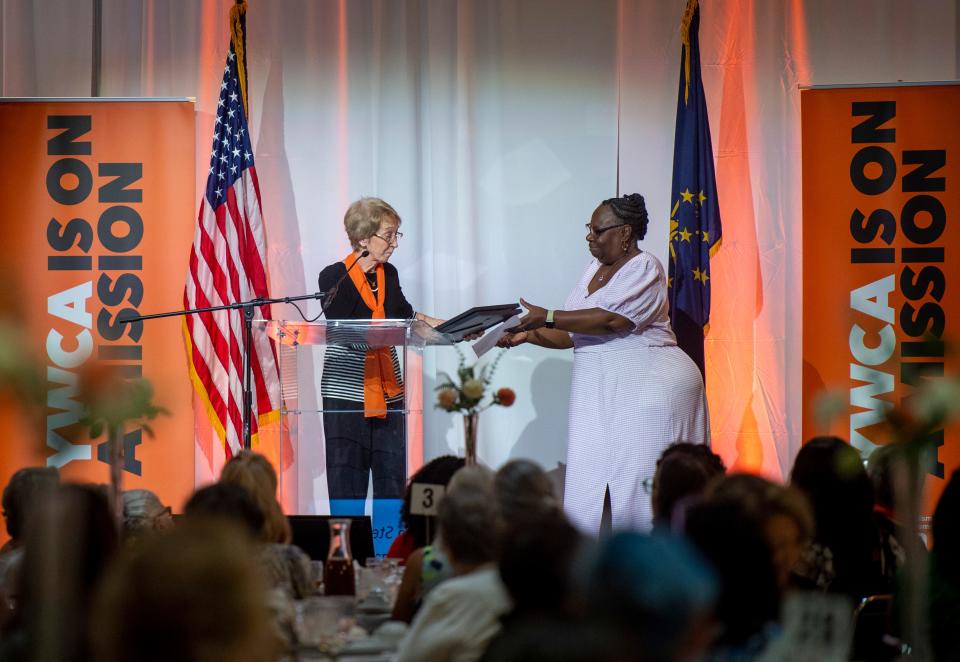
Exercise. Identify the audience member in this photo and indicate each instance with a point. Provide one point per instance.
(783, 514)
(461, 615)
(683, 471)
(67, 551)
(231, 504)
(426, 565)
(419, 530)
(194, 595)
(885, 465)
(654, 594)
(287, 566)
(226, 502)
(846, 555)
(144, 515)
(284, 566)
(254, 473)
(730, 536)
(536, 568)
(524, 492)
(944, 613)
(27, 490)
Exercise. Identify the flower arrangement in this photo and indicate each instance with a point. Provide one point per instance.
(466, 395)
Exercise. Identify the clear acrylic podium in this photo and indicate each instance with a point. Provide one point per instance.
(302, 352)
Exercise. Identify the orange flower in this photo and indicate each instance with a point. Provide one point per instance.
(446, 398)
(506, 396)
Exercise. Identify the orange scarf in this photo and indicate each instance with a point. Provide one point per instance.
(379, 380)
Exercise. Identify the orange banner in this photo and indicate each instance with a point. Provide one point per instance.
(880, 210)
(98, 204)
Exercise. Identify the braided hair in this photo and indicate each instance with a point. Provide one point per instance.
(632, 210)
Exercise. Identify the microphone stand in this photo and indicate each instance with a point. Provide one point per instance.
(248, 308)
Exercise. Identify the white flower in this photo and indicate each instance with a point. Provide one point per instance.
(473, 389)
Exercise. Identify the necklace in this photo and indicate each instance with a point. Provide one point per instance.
(603, 277)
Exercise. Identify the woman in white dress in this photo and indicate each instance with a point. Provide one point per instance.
(634, 392)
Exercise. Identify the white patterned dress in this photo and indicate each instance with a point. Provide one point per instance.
(633, 394)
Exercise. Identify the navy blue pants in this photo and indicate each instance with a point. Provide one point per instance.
(357, 446)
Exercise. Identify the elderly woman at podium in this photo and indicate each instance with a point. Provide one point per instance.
(362, 389)
(634, 392)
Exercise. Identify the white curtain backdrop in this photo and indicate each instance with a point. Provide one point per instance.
(493, 127)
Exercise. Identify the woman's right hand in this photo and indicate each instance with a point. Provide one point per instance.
(513, 339)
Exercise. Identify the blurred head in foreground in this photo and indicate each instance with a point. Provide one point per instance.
(26, 490)
(656, 592)
(194, 595)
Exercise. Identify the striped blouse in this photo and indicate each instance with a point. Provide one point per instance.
(344, 364)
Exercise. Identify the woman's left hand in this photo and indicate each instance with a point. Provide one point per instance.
(534, 319)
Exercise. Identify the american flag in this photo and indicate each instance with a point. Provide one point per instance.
(227, 265)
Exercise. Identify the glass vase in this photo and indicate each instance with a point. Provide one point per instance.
(471, 423)
(338, 576)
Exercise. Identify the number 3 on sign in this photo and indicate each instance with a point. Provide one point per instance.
(424, 498)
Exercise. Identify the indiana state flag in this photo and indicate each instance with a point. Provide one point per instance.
(695, 214)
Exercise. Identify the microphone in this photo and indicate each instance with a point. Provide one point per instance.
(329, 295)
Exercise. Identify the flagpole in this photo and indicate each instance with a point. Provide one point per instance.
(96, 52)
(247, 376)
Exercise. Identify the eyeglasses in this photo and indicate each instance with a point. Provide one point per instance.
(647, 485)
(597, 233)
(390, 238)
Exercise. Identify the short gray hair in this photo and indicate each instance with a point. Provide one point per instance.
(363, 218)
(141, 510)
(523, 491)
(468, 518)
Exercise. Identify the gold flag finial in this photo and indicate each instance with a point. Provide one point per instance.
(685, 39)
(238, 41)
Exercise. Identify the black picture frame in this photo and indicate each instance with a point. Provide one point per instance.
(477, 319)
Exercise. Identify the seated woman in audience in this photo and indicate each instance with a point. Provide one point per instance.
(846, 555)
(461, 615)
(287, 566)
(226, 502)
(524, 492)
(419, 530)
(144, 515)
(682, 471)
(782, 512)
(425, 565)
(193, 595)
(884, 462)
